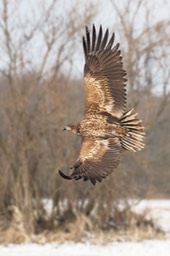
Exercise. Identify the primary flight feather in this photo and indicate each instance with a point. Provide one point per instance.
(106, 128)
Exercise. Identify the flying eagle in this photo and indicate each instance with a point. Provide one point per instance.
(106, 128)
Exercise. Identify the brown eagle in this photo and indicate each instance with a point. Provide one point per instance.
(106, 128)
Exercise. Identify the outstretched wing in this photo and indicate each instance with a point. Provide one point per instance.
(98, 158)
(104, 74)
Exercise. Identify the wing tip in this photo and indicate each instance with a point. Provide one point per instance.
(98, 41)
(64, 176)
(76, 177)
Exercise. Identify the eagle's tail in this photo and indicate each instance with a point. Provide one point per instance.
(133, 140)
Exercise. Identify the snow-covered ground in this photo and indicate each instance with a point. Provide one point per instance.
(149, 248)
(157, 210)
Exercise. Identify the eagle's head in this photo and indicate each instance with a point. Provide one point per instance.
(72, 128)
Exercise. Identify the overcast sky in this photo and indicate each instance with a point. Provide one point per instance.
(30, 11)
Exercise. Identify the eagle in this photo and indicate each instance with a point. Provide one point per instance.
(107, 128)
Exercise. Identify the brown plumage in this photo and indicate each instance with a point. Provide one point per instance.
(106, 128)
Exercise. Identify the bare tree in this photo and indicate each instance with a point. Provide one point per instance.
(145, 51)
(144, 43)
(32, 87)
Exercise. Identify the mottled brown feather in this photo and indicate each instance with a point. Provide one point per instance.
(106, 129)
(98, 158)
(104, 74)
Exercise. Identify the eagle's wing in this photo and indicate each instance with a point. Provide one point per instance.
(98, 158)
(104, 74)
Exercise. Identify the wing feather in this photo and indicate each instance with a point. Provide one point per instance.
(98, 158)
(93, 38)
(104, 74)
(99, 39)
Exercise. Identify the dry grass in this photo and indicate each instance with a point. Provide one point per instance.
(12, 229)
(80, 228)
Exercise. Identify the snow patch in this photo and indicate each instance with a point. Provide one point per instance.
(149, 248)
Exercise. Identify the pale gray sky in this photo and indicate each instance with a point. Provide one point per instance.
(25, 13)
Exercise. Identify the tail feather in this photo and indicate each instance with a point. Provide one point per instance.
(133, 140)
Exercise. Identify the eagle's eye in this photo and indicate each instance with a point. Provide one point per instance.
(66, 128)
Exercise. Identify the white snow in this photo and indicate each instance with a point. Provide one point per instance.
(149, 248)
(157, 210)
(149, 204)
